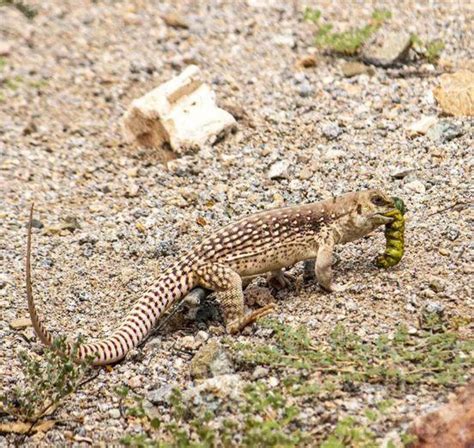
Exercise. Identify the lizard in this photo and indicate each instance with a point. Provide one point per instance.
(267, 241)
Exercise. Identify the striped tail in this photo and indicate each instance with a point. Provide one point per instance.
(170, 287)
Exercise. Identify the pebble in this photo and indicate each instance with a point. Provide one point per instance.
(351, 305)
(331, 130)
(434, 307)
(210, 360)
(387, 48)
(415, 186)
(135, 382)
(352, 68)
(402, 173)
(305, 89)
(202, 336)
(187, 342)
(332, 154)
(306, 173)
(421, 126)
(114, 413)
(279, 170)
(160, 395)
(273, 381)
(444, 132)
(260, 372)
(21, 323)
(307, 61)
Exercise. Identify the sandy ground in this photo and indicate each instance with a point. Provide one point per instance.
(69, 76)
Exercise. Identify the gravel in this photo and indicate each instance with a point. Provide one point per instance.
(65, 82)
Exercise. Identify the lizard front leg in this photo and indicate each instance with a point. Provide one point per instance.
(227, 285)
(323, 266)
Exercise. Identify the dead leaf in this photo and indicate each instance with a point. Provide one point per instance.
(455, 93)
(24, 428)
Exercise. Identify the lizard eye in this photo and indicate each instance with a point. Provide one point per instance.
(378, 200)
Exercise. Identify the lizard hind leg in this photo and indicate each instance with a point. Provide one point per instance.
(227, 284)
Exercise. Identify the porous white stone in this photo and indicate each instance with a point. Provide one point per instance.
(181, 112)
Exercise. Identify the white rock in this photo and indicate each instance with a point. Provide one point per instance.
(279, 170)
(415, 186)
(273, 381)
(181, 112)
(421, 126)
(114, 413)
(202, 336)
(332, 154)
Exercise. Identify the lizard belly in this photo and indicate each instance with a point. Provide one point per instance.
(270, 260)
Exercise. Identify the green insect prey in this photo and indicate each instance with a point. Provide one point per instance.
(394, 236)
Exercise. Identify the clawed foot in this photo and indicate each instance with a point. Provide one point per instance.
(337, 288)
(239, 324)
(280, 280)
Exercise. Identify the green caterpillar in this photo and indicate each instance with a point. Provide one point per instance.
(394, 236)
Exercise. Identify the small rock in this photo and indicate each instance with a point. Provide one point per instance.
(402, 173)
(5, 47)
(387, 48)
(132, 191)
(260, 372)
(434, 307)
(412, 330)
(307, 61)
(421, 126)
(67, 224)
(455, 93)
(444, 132)
(210, 360)
(351, 68)
(305, 89)
(30, 128)
(202, 337)
(279, 170)
(300, 77)
(174, 20)
(181, 112)
(436, 284)
(273, 381)
(428, 293)
(151, 411)
(415, 186)
(114, 413)
(443, 251)
(160, 395)
(332, 154)
(135, 381)
(331, 131)
(284, 40)
(36, 224)
(187, 342)
(351, 305)
(305, 173)
(223, 386)
(21, 323)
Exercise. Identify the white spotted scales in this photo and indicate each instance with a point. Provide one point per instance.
(263, 242)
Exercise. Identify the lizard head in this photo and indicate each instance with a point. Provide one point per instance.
(366, 210)
(375, 208)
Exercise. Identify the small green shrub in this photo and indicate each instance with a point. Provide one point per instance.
(48, 380)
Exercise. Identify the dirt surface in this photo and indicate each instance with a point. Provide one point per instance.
(66, 80)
